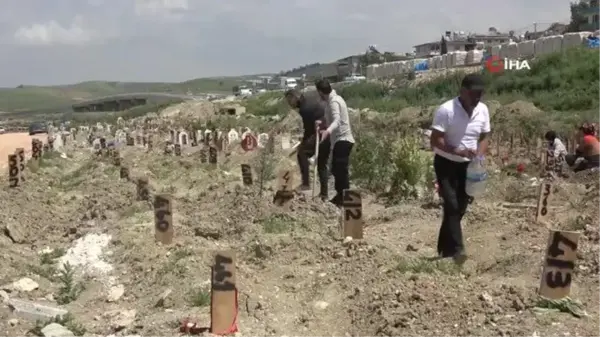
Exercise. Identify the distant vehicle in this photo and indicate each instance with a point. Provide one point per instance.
(242, 90)
(2, 130)
(354, 78)
(260, 91)
(288, 83)
(37, 127)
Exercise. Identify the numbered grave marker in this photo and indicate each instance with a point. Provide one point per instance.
(223, 304)
(284, 193)
(163, 218)
(557, 275)
(13, 170)
(352, 220)
(246, 174)
(212, 155)
(20, 152)
(178, 150)
(249, 142)
(124, 173)
(36, 150)
(543, 209)
(549, 162)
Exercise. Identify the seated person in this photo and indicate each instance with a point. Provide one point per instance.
(555, 144)
(557, 149)
(588, 149)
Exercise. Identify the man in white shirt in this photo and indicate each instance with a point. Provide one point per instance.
(459, 133)
(339, 131)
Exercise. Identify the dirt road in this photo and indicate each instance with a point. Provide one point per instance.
(11, 141)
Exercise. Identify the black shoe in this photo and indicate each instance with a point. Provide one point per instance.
(323, 197)
(460, 257)
(337, 200)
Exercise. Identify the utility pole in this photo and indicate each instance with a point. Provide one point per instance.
(535, 27)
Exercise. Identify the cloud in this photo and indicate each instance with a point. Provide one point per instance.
(166, 9)
(63, 41)
(53, 33)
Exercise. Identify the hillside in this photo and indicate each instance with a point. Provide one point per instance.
(31, 98)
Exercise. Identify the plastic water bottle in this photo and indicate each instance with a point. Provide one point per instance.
(476, 177)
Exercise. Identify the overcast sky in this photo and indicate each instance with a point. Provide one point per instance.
(67, 41)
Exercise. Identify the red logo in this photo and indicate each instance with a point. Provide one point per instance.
(249, 142)
(494, 64)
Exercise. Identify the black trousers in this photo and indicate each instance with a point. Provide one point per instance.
(307, 150)
(339, 165)
(588, 162)
(452, 178)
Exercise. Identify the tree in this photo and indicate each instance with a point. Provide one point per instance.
(577, 16)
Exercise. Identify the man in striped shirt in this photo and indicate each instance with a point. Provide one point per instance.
(339, 131)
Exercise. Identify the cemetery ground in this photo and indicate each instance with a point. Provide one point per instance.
(295, 274)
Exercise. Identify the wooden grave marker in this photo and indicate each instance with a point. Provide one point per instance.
(549, 162)
(178, 150)
(129, 140)
(116, 157)
(203, 155)
(36, 150)
(212, 155)
(124, 173)
(223, 299)
(163, 218)
(543, 201)
(284, 193)
(20, 152)
(557, 274)
(246, 174)
(143, 192)
(13, 170)
(352, 216)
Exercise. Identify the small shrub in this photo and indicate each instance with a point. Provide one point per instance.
(278, 224)
(70, 289)
(200, 297)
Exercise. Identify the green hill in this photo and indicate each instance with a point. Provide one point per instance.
(35, 98)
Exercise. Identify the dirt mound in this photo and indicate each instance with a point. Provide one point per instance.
(516, 113)
(191, 110)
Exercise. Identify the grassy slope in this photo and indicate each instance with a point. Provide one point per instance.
(30, 98)
(563, 82)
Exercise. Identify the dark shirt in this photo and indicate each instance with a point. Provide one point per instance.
(311, 110)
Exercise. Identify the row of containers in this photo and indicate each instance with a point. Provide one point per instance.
(513, 50)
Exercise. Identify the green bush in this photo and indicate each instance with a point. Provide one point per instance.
(392, 166)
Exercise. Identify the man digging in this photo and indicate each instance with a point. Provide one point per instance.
(311, 111)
